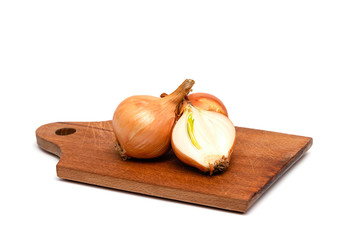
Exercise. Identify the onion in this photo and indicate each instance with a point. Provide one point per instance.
(207, 102)
(143, 124)
(203, 139)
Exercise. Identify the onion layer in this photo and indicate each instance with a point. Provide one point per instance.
(143, 124)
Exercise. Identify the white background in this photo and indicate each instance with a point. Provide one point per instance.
(286, 66)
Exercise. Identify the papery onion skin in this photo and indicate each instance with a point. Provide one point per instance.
(143, 124)
(134, 116)
(208, 102)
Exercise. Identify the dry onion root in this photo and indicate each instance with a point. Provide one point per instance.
(203, 139)
(143, 124)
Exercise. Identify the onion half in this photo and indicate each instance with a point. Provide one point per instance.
(203, 139)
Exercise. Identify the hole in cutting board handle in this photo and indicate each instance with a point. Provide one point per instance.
(65, 131)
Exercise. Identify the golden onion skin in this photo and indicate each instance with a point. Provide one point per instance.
(143, 124)
(138, 128)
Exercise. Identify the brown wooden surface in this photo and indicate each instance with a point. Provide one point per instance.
(88, 155)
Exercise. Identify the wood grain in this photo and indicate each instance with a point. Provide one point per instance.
(87, 154)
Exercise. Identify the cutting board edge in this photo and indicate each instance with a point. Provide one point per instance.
(214, 201)
(48, 146)
(277, 176)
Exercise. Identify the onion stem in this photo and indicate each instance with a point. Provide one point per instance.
(179, 94)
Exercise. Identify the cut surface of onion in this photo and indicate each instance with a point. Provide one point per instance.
(203, 139)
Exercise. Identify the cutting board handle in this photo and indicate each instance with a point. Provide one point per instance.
(52, 136)
(55, 137)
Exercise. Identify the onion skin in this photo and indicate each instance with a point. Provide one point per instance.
(207, 102)
(143, 124)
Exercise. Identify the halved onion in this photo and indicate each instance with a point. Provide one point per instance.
(203, 139)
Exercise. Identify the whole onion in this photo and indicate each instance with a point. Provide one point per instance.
(143, 124)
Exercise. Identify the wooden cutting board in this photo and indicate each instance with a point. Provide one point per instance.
(87, 154)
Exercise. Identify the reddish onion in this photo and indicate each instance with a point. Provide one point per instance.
(208, 102)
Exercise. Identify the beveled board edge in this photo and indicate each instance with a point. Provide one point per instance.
(294, 160)
(152, 190)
